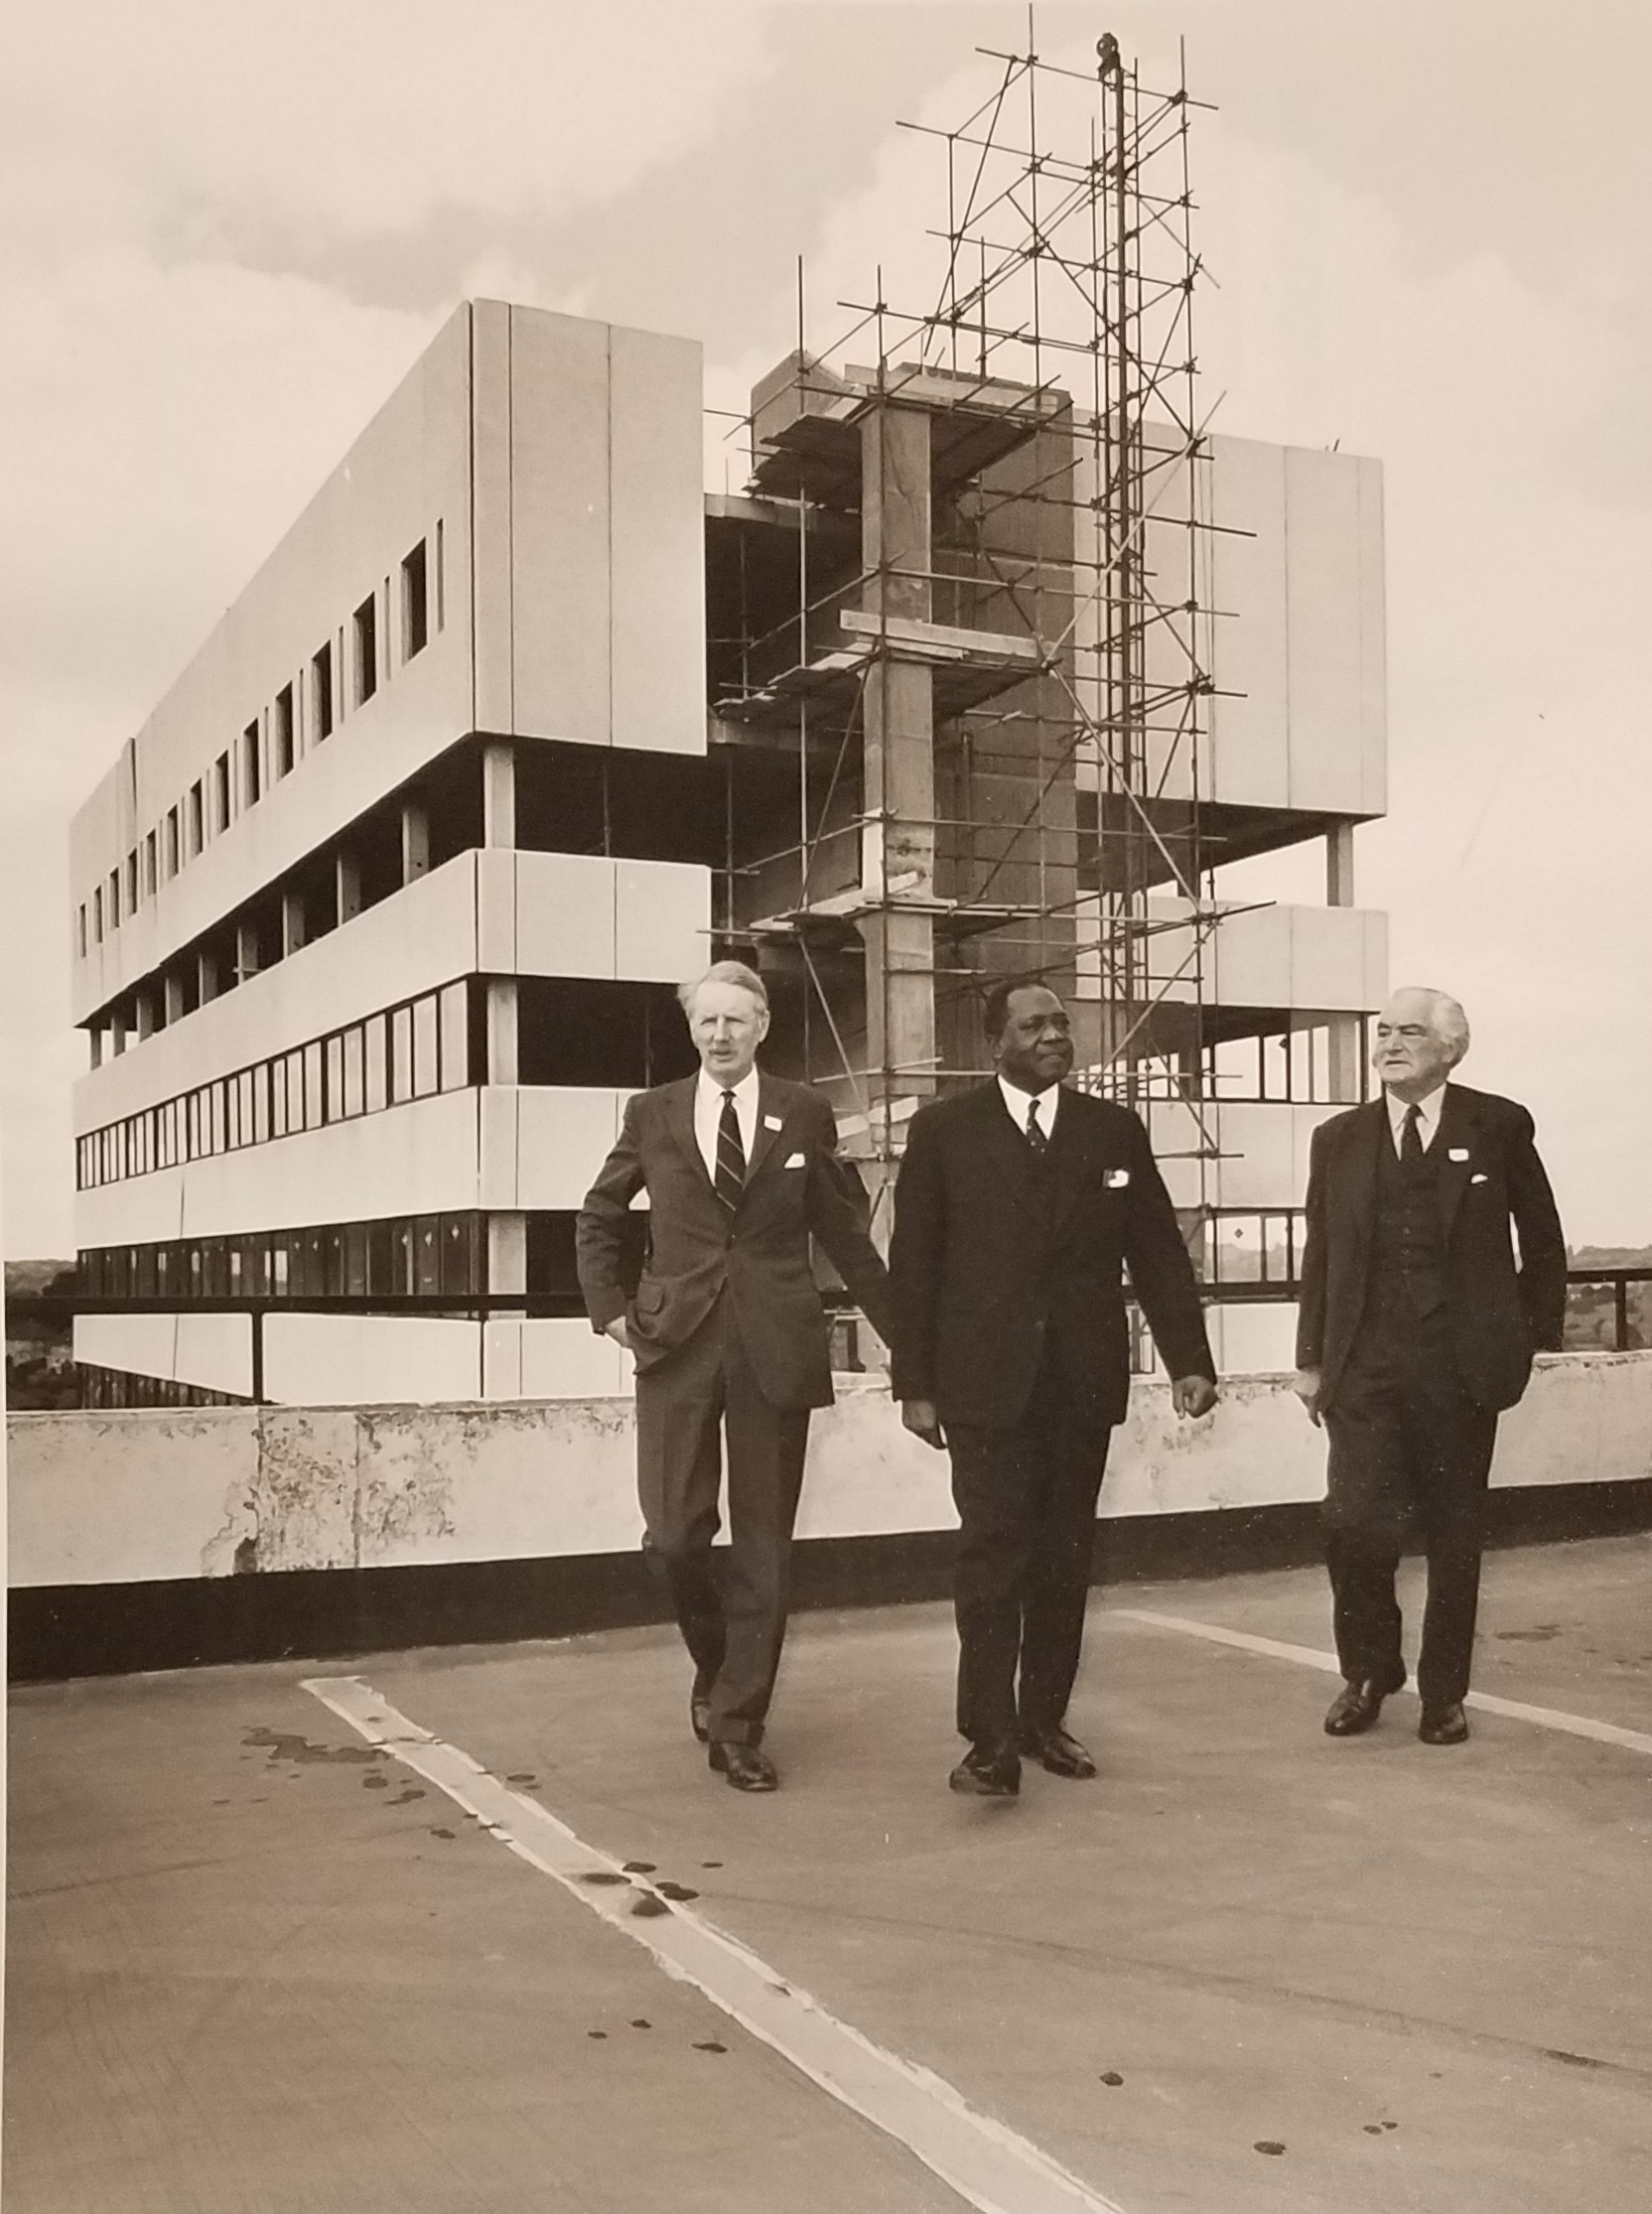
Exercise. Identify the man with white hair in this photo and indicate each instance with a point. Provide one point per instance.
(1417, 1328)
(730, 1336)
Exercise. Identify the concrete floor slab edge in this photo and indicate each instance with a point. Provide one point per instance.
(989, 2165)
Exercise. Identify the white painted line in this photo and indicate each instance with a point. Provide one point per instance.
(1547, 1717)
(989, 2166)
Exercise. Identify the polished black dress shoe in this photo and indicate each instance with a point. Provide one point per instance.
(744, 1768)
(1356, 1706)
(989, 1772)
(1061, 1752)
(1443, 1725)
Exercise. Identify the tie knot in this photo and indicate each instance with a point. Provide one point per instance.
(729, 1099)
(1414, 1115)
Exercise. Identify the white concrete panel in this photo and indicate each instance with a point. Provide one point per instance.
(1373, 636)
(496, 901)
(564, 1359)
(565, 915)
(563, 1138)
(1323, 626)
(1332, 960)
(561, 568)
(135, 1497)
(361, 1360)
(662, 920)
(131, 1497)
(1253, 1338)
(498, 1126)
(417, 1159)
(142, 1345)
(1250, 716)
(421, 937)
(489, 582)
(410, 467)
(658, 542)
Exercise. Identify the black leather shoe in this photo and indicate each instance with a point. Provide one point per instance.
(989, 1772)
(1061, 1752)
(1356, 1706)
(1443, 1725)
(699, 1703)
(744, 1768)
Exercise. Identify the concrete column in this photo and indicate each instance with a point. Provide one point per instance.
(501, 1031)
(247, 951)
(415, 842)
(146, 1016)
(508, 1254)
(292, 923)
(94, 1037)
(173, 985)
(348, 878)
(117, 1032)
(207, 978)
(897, 847)
(1339, 865)
(499, 795)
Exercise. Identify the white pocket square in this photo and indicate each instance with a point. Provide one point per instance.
(797, 1161)
(1457, 1153)
(1115, 1179)
(1476, 1179)
(772, 1122)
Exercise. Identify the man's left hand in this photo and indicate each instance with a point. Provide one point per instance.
(1192, 1396)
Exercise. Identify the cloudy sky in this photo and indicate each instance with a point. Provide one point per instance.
(225, 232)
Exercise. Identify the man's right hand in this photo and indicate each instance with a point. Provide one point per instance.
(922, 1419)
(619, 1331)
(1307, 1389)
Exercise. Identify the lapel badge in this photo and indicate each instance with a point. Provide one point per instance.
(1459, 1153)
(1115, 1179)
(772, 1121)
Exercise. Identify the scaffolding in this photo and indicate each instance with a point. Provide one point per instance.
(969, 706)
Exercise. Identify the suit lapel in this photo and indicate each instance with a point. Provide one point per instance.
(1008, 1147)
(679, 1120)
(1368, 1134)
(1067, 1160)
(1454, 1135)
(772, 1113)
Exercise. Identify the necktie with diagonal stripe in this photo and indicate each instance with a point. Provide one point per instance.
(1037, 1136)
(731, 1156)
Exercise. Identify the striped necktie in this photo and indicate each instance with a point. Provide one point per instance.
(731, 1156)
(1037, 1136)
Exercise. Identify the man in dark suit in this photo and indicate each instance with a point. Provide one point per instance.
(1017, 1203)
(729, 1338)
(1416, 1328)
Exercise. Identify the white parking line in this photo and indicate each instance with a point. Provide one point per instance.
(988, 2165)
(1305, 1656)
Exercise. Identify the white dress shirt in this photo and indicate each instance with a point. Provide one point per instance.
(1018, 1102)
(708, 1114)
(1427, 1117)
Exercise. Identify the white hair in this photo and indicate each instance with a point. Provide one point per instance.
(1450, 1025)
(724, 972)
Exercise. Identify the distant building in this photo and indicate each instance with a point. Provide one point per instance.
(378, 919)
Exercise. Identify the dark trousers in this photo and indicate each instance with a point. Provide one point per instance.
(1026, 1504)
(1410, 1458)
(734, 1622)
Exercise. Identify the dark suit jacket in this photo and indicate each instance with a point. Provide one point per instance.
(795, 1186)
(1489, 1172)
(984, 1276)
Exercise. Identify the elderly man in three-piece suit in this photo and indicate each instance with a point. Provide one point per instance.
(1016, 1205)
(730, 1336)
(1417, 1328)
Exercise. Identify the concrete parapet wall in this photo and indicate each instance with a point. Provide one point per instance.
(152, 1495)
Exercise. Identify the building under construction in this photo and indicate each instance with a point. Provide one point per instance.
(1002, 657)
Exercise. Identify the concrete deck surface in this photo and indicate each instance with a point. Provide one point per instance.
(256, 1969)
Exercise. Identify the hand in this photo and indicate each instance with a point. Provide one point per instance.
(1192, 1396)
(922, 1419)
(619, 1330)
(1307, 1388)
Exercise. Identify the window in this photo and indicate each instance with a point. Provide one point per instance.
(376, 1032)
(321, 693)
(354, 1088)
(426, 1075)
(151, 876)
(251, 782)
(455, 1026)
(114, 899)
(220, 793)
(441, 588)
(415, 603)
(335, 1078)
(97, 915)
(314, 1095)
(401, 1055)
(197, 821)
(80, 929)
(171, 854)
(282, 739)
(365, 627)
(132, 882)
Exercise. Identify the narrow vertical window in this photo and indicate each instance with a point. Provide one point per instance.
(132, 882)
(221, 792)
(151, 874)
(170, 852)
(321, 693)
(364, 624)
(80, 931)
(97, 915)
(281, 735)
(196, 823)
(114, 899)
(251, 781)
(415, 603)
